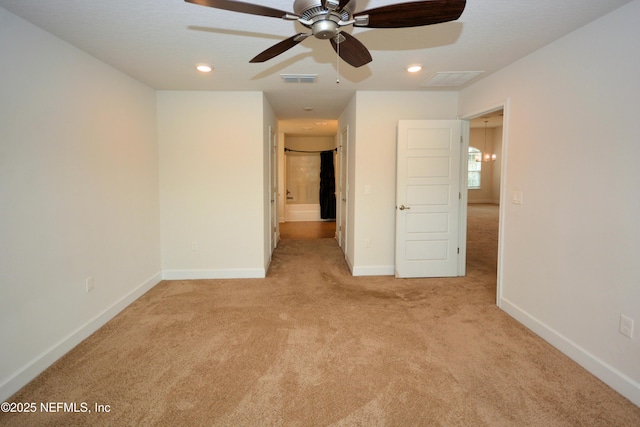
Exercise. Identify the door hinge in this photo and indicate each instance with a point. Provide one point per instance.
(459, 196)
(458, 251)
(460, 139)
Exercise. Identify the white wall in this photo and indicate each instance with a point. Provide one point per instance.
(570, 251)
(373, 154)
(79, 197)
(212, 184)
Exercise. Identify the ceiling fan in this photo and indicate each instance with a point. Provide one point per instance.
(325, 18)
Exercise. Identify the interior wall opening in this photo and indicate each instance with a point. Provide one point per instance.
(484, 185)
(309, 183)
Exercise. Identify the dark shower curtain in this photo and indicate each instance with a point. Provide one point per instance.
(327, 186)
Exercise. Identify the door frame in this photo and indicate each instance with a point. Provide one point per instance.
(463, 200)
(343, 186)
(504, 106)
(274, 229)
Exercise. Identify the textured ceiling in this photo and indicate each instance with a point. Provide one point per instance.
(158, 42)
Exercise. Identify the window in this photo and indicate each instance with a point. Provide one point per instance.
(474, 168)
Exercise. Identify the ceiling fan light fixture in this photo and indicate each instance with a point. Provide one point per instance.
(325, 29)
(204, 68)
(414, 68)
(325, 19)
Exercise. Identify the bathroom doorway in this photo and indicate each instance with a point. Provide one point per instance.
(309, 185)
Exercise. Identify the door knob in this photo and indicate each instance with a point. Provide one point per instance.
(403, 207)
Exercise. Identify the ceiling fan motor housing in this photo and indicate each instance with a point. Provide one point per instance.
(325, 29)
(324, 22)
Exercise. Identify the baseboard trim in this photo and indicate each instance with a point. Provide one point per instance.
(230, 273)
(606, 373)
(36, 366)
(378, 270)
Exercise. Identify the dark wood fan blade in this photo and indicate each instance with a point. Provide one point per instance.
(343, 3)
(352, 51)
(279, 48)
(412, 14)
(237, 6)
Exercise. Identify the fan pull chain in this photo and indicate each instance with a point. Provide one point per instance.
(337, 60)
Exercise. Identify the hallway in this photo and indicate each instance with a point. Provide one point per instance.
(307, 230)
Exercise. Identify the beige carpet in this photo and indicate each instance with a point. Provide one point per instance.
(312, 346)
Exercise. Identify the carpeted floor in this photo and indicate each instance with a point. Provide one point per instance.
(311, 345)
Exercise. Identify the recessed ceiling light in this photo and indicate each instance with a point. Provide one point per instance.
(204, 68)
(308, 108)
(414, 68)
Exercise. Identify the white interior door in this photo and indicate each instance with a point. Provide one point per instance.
(342, 222)
(427, 198)
(273, 188)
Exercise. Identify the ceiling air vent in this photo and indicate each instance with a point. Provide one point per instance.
(299, 78)
(451, 78)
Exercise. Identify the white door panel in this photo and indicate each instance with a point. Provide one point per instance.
(427, 198)
(427, 223)
(428, 195)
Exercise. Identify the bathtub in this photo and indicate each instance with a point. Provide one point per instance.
(301, 212)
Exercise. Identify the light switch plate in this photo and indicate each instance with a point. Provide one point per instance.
(516, 197)
(90, 286)
(626, 326)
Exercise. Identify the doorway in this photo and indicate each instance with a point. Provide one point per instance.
(308, 184)
(486, 164)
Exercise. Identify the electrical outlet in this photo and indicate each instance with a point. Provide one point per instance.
(367, 243)
(626, 326)
(89, 283)
(194, 246)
